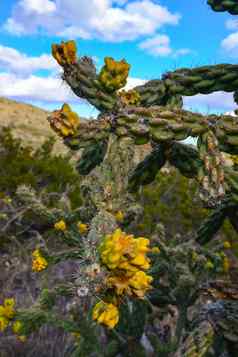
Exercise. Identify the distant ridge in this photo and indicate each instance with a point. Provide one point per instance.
(29, 123)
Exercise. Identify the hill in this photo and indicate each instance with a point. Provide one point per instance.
(28, 122)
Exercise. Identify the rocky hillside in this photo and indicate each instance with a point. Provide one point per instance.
(28, 123)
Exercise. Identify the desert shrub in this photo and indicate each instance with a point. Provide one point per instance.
(170, 200)
(39, 169)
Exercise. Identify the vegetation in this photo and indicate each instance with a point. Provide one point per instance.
(171, 293)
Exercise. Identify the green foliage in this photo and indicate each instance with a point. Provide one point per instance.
(170, 200)
(40, 169)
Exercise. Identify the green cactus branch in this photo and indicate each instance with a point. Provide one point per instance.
(82, 79)
(214, 221)
(224, 5)
(189, 82)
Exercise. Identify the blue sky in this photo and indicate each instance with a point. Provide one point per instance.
(153, 36)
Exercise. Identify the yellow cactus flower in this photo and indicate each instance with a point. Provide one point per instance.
(76, 334)
(120, 283)
(194, 256)
(36, 253)
(39, 263)
(82, 227)
(113, 247)
(60, 225)
(7, 200)
(140, 282)
(234, 158)
(130, 97)
(137, 284)
(155, 250)
(9, 302)
(64, 122)
(16, 326)
(227, 244)
(222, 254)
(106, 313)
(226, 264)
(138, 253)
(119, 216)
(7, 309)
(122, 251)
(21, 338)
(209, 265)
(65, 53)
(113, 75)
(3, 323)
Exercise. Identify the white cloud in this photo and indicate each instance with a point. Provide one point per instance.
(101, 19)
(230, 44)
(38, 6)
(14, 61)
(14, 27)
(48, 89)
(134, 82)
(159, 46)
(182, 52)
(209, 103)
(232, 24)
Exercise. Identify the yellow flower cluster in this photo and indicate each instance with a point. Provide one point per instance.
(122, 251)
(126, 259)
(209, 265)
(119, 216)
(136, 284)
(76, 335)
(16, 328)
(64, 121)
(82, 227)
(234, 158)
(130, 97)
(7, 312)
(38, 263)
(65, 53)
(106, 313)
(60, 225)
(113, 75)
(227, 244)
(226, 264)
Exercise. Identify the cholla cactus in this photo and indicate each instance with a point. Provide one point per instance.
(224, 5)
(120, 277)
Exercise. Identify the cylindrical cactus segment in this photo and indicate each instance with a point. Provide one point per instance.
(147, 170)
(185, 158)
(92, 156)
(224, 5)
(189, 82)
(211, 174)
